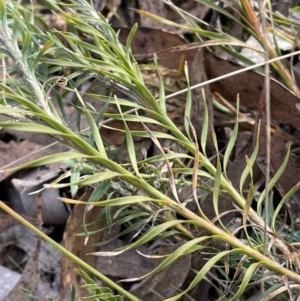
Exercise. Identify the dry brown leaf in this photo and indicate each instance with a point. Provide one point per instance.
(76, 245)
(166, 282)
(21, 153)
(31, 274)
(150, 41)
(6, 221)
(29, 280)
(284, 104)
(157, 8)
(129, 264)
(195, 8)
(160, 9)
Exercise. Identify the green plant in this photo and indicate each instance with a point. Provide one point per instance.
(44, 59)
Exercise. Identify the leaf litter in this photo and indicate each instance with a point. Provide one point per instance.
(147, 41)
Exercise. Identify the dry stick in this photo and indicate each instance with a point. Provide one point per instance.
(242, 70)
(268, 131)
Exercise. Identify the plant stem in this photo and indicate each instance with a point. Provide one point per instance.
(67, 253)
(233, 241)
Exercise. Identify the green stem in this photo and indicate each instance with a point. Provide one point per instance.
(67, 253)
(233, 241)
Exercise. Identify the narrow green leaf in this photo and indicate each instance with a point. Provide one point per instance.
(99, 191)
(215, 140)
(28, 294)
(129, 117)
(130, 143)
(94, 128)
(101, 113)
(97, 121)
(75, 176)
(5, 52)
(188, 247)
(188, 103)
(148, 236)
(216, 191)
(162, 95)
(88, 179)
(16, 29)
(251, 161)
(287, 197)
(49, 159)
(44, 49)
(201, 274)
(31, 127)
(3, 15)
(73, 292)
(248, 202)
(247, 278)
(26, 46)
(205, 125)
(251, 186)
(275, 178)
(129, 40)
(232, 140)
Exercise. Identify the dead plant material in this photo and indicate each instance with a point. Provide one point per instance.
(248, 84)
